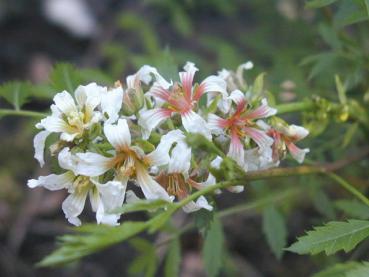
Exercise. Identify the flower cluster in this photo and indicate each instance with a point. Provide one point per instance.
(105, 139)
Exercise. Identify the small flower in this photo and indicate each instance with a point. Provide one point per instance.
(103, 197)
(240, 125)
(129, 162)
(285, 138)
(176, 180)
(181, 98)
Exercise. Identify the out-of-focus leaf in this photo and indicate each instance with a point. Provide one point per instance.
(350, 12)
(323, 204)
(173, 259)
(353, 208)
(203, 219)
(329, 35)
(337, 270)
(319, 3)
(361, 270)
(349, 134)
(258, 85)
(366, 3)
(65, 77)
(16, 93)
(91, 238)
(146, 261)
(275, 231)
(213, 248)
(332, 237)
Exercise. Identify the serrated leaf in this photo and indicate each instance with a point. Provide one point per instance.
(213, 248)
(337, 270)
(142, 205)
(146, 261)
(319, 3)
(275, 231)
(173, 259)
(65, 77)
(353, 208)
(16, 93)
(332, 237)
(91, 239)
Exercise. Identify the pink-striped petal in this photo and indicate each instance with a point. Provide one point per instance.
(262, 111)
(297, 153)
(150, 119)
(260, 137)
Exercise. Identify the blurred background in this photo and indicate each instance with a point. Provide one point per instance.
(300, 49)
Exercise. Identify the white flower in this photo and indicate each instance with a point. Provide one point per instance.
(104, 197)
(175, 177)
(129, 161)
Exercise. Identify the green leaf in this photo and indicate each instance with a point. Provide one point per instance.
(258, 85)
(366, 3)
(323, 204)
(361, 270)
(350, 12)
(274, 228)
(198, 141)
(173, 259)
(337, 270)
(16, 93)
(332, 237)
(353, 208)
(142, 205)
(341, 90)
(349, 134)
(213, 248)
(65, 77)
(319, 3)
(92, 238)
(203, 219)
(146, 261)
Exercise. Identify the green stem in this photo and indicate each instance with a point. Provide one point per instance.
(294, 107)
(4, 112)
(349, 187)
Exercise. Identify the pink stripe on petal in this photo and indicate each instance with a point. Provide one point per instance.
(260, 137)
(297, 153)
(161, 93)
(199, 92)
(262, 111)
(186, 81)
(236, 150)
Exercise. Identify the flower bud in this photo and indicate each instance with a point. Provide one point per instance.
(133, 101)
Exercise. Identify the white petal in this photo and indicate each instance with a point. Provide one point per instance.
(149, 119)
(215, 84)
(111, 197)
(53, 181)
(67, 160)
(118, 135)
(194, 123)
(68, 137)
(247, 66)
(264, 126)
(180, 160)
(54, 124)
(39, 145)
(111, 103)
(296, 132)
(216, 162)
(224, 74)
(201, 203)
(236, 189)
(73, 206)
(160, 155)
(150, 188)
(89, 96)
(131, 197)
(92, 164)
(214, 124)
(236, 151)
(65, 102)
(297, 153)
(237, 96)
(144, 74)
